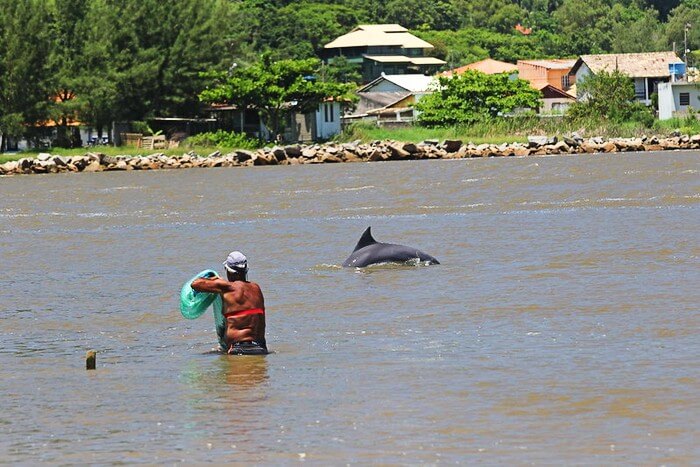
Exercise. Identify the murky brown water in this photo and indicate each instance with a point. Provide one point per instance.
(561, 327)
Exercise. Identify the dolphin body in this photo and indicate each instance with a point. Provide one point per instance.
(369, 251)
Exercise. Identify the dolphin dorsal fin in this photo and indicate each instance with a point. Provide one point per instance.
(365, 240)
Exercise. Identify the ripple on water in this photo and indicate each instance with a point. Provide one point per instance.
(562, 323)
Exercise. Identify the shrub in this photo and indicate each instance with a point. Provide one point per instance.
(221, 138)
(475, 97)
(610, 96)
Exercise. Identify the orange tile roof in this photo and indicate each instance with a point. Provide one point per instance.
(488, 66)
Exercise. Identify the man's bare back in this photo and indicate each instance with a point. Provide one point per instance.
(243, 308)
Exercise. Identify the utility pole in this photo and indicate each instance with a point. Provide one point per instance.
(685, 44)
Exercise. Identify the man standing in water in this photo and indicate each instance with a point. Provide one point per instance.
(243, 307)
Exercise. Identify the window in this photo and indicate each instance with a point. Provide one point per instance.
(328, 113)
(684, 98)
(565, 82)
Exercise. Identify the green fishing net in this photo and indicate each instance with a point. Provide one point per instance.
(193, 304)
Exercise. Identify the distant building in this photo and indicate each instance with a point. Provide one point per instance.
(646, 69)
(488, 66)
(540, 73)
(554, 100)
(391, 97)
(320, 124)
(383, 48)
(681, 95)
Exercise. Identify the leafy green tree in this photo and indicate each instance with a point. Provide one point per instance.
(159, 51)
(608, 95)
(96, 87)
(664, 6)
(275, 89)
(685, 16)
(468, 45)
(586, 24)
(67, 63)
(419, 14)
(24, 87)
(474, 96)
(497, 15)
(635, 30)
(300, 30)
(340, 69)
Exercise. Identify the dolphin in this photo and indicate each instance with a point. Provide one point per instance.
(369, 251)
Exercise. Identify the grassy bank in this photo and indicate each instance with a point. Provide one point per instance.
(518, 129)
(495, 132)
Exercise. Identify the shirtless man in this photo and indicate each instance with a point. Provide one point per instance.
(243, 307)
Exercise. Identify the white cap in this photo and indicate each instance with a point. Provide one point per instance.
(236, 262)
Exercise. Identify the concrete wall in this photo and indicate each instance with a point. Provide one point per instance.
(555, 105)
(328, 120)
(540, 76)
(670, 100)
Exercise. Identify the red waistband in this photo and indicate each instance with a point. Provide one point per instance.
(252, 311)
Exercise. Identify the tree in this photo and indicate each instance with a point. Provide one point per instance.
(684, 17)
(608, 95)
(66, 63)
(586, 24)
(275, 89)
(471, 44)
(419, 14)
(300, 30)
(474, 96)
(96, 88)
(664, 6)
(24, 87)
(342, 70)
(635, 30)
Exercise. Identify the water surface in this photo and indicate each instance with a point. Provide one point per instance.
(561, 327)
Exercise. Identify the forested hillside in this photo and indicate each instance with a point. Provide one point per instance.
(468, 30)
(131, 59)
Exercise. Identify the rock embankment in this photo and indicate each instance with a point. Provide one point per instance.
(346, 152)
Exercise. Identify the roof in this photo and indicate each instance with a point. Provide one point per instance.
(366, 35)
(551, 64)
(427, 61)
(637, 65)
(411, 83)
(488, 66)
(550, 92)
(404, 59)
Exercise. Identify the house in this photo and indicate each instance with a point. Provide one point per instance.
(540, 73)
(646, 69)
(320, 124)
(488, 66)
(391, 97)
(680, 96)
(383, 48)
(554, 100)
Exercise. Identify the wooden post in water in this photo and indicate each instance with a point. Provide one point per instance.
(90, 360)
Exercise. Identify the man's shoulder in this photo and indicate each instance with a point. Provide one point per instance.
(245, 284)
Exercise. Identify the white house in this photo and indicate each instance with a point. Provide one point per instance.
(676, 99)
(320, 124)
(327, 120)
(646, 69)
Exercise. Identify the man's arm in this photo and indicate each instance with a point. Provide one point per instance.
(211, 285)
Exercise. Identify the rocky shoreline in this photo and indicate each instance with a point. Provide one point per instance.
(347, 152)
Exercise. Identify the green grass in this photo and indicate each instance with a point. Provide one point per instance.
(517, 130)
(495, 132)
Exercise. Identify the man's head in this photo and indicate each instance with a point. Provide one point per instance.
(236, 266)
